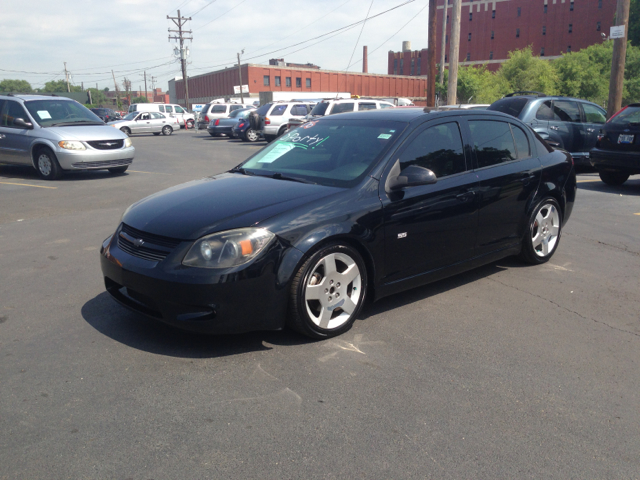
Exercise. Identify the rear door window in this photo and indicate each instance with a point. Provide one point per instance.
(218, 109)
(366, 106)
(169, 109)
(236, 107)
(342, 108)
(161, 108)
(566, 111)
(298, 110)
(278, 110)
(545, 112)
(492, 142)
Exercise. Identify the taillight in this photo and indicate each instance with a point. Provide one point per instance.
(267, 121)
(240, 125)
(217, 122)
(617, 113)
(206, 118)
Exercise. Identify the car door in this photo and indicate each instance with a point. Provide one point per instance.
(158, 121)
(431, 226)
(594, 119)
(508, 175)
(567, 123)
(142, 123)
(15, 140)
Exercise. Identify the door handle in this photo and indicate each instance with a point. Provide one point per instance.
(591, 130)
(463, 197)
(2, 136)
(553, 127)
(527, 179)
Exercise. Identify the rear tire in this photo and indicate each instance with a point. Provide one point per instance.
(118, 170)
(126, 131)
(614, 178)
(47, 164)
(167, 130)
(543, 234)
(251, 135)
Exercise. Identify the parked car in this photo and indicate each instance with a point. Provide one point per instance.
(182, 116)
(146, 122)
(564, 122)
(272, 123)
(465, 106)
(224, 126)
(344, 208)
(211, 111)
(244, 131)
(344, 105)
(106, 114)
(616, 155)
(57, 134)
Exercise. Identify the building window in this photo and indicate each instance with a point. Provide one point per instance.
(308, 82)
(469, 39)
(542, 52)
(598, 27)
(298, 82)
(490, 55)
(446, 58)
(470, 16)
(568, 48)
(402, 66)
(419, 64)
(544, 30)
(517, 33)
(413, 66)
(491, 34)
(446, 39)
(447, 19)
(570, 27)
(265, 80)
(277, 81)
(519, 11)
(599, 3)
(545, 9)
(468, 57)
(287, 81)
(493, 14)
(395, 66)
(571, 7)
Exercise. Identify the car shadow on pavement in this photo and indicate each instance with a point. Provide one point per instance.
(630, 187)
(142, 333)
(24, 172)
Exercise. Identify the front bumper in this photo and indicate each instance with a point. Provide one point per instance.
(94, 159)
(624, 162)
(247, 298)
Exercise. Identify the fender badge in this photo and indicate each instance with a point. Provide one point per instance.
(402, 235)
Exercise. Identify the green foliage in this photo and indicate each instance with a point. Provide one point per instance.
(475, 85)
(16, 86)
(59, 86)
(523, 71)
(139, 100)
(97, 96)
(634, 23)
(105, 89)
(585, 74)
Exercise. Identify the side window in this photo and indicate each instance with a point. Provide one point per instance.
(386, 105)
(566, 111)
(522, 142)
(10, 111)
(366, 106)
(593, 114)
(169, 109)
(492, 142)
(236, 107)
(545, 112)
(218, 109)
(438, 148)
(161, 108)
(298, 110)
(278, 110)
(144, 116)
(342, 108)
(179, 110)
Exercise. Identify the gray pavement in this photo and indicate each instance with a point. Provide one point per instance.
(508, 371)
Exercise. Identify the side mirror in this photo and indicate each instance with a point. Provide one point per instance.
(21, 123)
(412, 176)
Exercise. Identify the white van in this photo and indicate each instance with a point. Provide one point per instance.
(169, 109)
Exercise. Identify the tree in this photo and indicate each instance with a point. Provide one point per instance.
(140, 100)
(17, 86)
(59, 86)
(97, 96)
(523, 71)
(475, 85)
(585, 73)
(105, 89)
(634, 23)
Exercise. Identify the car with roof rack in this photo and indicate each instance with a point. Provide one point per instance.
(57, 134)
(568, 123)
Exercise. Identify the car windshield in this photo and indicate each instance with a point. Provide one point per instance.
(329, 152)
(319, 109)
(627, 116)
(130, 116)
(511, 106)
(49, 113)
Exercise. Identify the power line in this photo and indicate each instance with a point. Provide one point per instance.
(183, 4)
(198, 11)
(363, 24)
(202, 26)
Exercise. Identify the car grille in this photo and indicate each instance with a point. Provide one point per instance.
(107, 144)
(104, 164)
(147, 246)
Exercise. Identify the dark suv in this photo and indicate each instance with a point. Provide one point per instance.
(106, 114)
(564, 122)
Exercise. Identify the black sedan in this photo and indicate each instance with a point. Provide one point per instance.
(616, 155)
(342, 209)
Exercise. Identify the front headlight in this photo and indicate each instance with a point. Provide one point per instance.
(228, 249)
(72, 145)
(127, 142)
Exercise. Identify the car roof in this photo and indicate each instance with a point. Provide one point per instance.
(27, 97)
(408, 114)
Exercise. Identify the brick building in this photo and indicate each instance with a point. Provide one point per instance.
(281, 78)
(490, 29)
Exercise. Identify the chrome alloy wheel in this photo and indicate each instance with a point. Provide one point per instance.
(545, 230)
(252, 135)
(44, 164)
(333, 291)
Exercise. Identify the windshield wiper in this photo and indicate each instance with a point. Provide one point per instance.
(81, 122)
(279, 176)
(241, 170)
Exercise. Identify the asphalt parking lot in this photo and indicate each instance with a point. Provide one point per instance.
(508, 371)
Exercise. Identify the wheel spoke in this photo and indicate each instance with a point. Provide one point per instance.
(325, 317)
(545, 246)
(348, 306)
(350, 274)
(540, 218)
(313, 292)
(535, 241)
(553, 231)
(329, 263)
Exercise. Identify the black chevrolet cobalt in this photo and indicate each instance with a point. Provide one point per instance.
(343, 209)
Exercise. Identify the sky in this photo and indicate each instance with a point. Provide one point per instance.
(131, 37)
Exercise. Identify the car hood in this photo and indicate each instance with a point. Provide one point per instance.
(218, 203)
(87, 132)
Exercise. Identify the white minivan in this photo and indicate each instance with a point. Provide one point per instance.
(168, 109)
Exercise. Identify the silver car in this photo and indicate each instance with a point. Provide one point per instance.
(146, 122)
(57, 134)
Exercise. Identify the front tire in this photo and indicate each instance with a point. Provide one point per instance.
(118, 170)
(328, 292)
(47, 165)
(167, 130)
(614, 179)
(543, 235)
(190, 123)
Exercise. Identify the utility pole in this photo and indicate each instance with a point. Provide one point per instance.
(616, 81)
(66, 76)
(240, 77)
(146, 93)
(117, 93)
(180, 21)
(153, 85)
(431, 56)
(454, 52)
(443, 49)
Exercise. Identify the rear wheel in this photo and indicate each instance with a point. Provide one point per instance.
(251, 135)
(47, 165)
(167, 130)
(118, 170)
(614, 178)
(126, 131)
(328, 292)
(543, 235)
